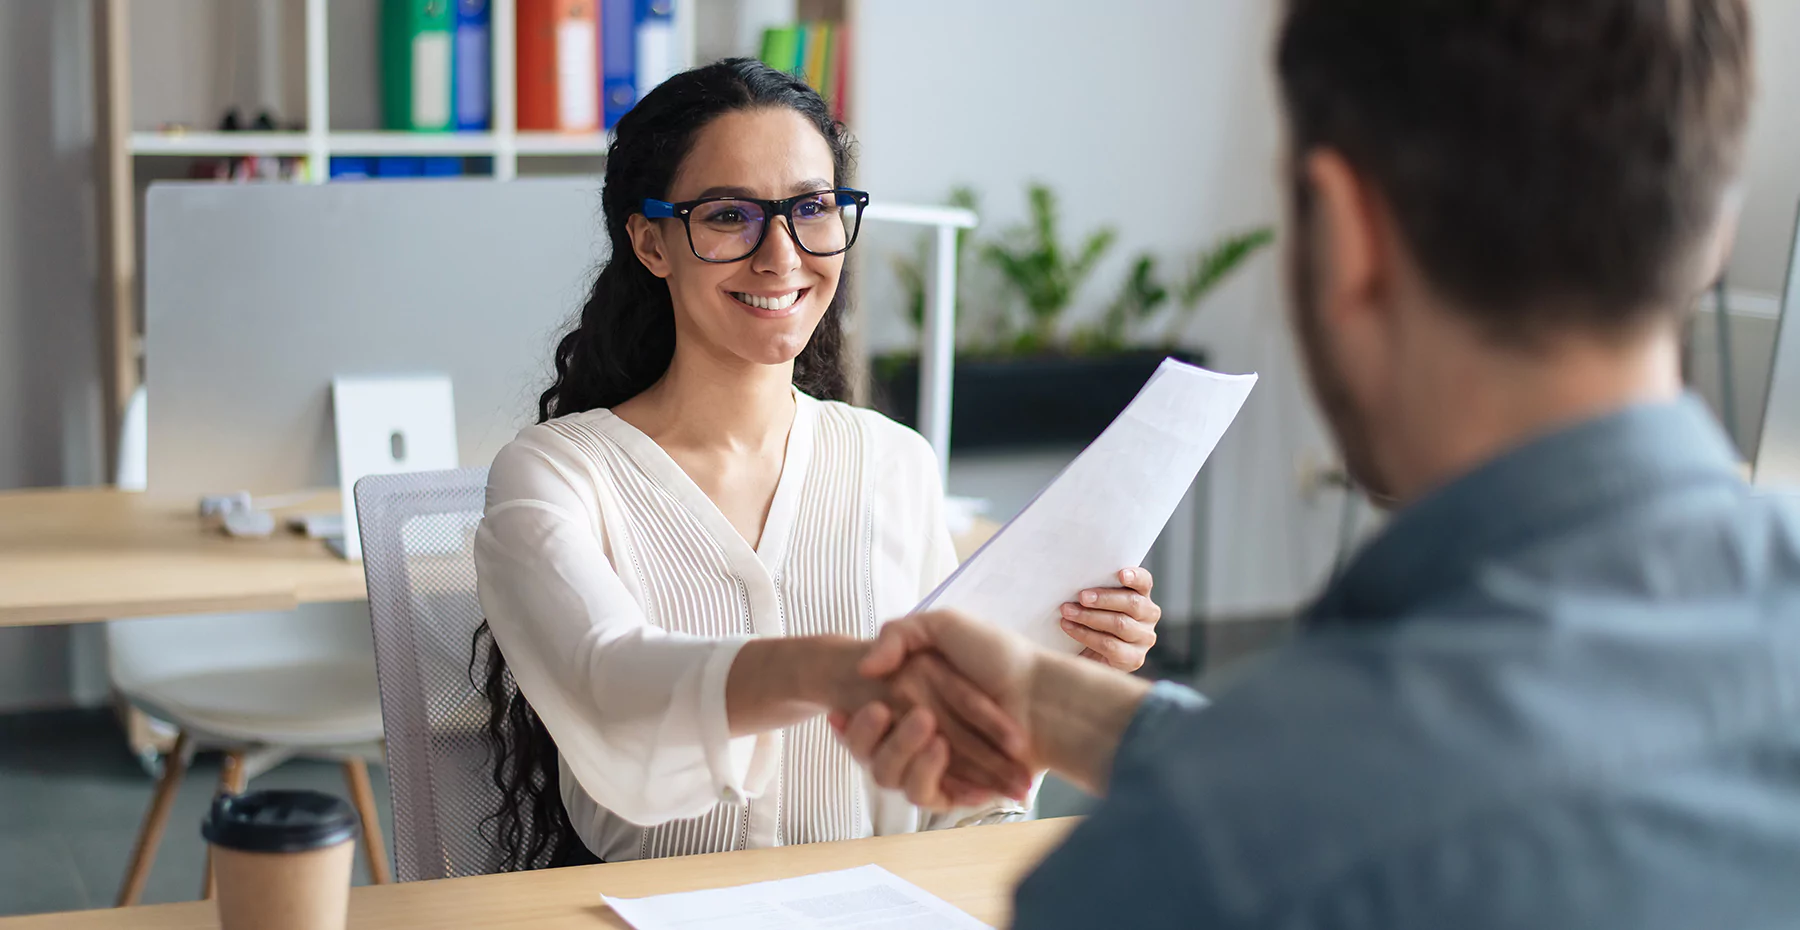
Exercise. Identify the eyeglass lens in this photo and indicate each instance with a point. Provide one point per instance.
(728, 230)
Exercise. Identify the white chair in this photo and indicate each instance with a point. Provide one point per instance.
(418, 533)
(261, 688)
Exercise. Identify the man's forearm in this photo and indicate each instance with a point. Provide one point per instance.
(1079, 710)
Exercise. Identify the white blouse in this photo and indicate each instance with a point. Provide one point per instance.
(620, 594)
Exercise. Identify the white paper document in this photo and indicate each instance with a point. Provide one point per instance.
(1103, 512)
(866, 898)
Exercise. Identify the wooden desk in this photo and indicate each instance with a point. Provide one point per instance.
(974, 868)
(974, 537)
(75, 555)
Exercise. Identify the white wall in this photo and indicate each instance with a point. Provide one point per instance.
(1772, 163)
(1156, 117)
(194, 59)
(49, 363)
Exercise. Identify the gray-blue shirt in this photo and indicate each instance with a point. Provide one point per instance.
(1561, 692)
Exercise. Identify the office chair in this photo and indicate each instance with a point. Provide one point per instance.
(418, 534)
(261, 688)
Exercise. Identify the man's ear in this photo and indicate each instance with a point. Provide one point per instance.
(1348, 223)
(647, 242)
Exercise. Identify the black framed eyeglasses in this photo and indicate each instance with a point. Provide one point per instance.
(731, 229)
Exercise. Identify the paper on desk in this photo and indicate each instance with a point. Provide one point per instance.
(866, 898)
(1103, 512)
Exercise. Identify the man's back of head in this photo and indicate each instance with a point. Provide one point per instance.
(1555, 174)
(1550, 162)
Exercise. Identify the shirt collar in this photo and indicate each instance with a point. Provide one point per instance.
(1574, 473)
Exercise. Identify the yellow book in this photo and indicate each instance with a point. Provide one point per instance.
(817, 40)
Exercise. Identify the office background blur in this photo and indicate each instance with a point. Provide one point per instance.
(1155, 116)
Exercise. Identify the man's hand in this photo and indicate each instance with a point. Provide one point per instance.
(975, 741)
(981, 742)
(995, 661)
(909, 750)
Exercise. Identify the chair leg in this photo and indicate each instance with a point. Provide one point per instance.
(143, 855)
(356, 773)
(231, 781)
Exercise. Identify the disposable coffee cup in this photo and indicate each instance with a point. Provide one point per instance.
(281, 859)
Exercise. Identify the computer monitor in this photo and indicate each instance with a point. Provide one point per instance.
(258, 295)
(1778, 452)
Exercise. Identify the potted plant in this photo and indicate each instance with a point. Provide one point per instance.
(1045, 275)
(1025, 378)
(910, 269)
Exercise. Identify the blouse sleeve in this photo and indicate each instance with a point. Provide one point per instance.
(637, 712)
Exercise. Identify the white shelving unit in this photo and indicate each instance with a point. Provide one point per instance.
(121, 146)
(318, 142)
(226, 144)
(218, 144)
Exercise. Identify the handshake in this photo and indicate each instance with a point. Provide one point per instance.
(960, 714)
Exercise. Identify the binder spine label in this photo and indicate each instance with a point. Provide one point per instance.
(431, 80)
(578, 76)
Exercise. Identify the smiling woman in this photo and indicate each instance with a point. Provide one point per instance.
(745, 280)
(683, 562)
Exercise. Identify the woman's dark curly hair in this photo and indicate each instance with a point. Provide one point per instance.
(623, 343)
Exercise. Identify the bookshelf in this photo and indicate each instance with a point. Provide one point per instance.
(121, 148)
(319, 140)
(225, 144)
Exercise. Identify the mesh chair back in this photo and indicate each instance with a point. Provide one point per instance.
(418, 533)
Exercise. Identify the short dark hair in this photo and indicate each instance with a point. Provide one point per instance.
(1548, 162)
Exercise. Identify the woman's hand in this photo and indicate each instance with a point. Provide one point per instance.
(1117, 625)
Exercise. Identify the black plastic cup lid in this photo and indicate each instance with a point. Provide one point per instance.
(280, 821)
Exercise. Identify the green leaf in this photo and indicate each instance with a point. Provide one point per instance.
(1091, 251)
(1009, 265)
(1215, 264)
(1147, 292)
(1044, 219)
(911, 272)
(1137, 301)
(964, 196)
(1033, 262)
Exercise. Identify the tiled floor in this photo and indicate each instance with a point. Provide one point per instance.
(71, 800)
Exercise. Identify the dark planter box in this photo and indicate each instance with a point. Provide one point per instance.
(1044, 402)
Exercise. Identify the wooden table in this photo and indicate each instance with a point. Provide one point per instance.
(974, 868)
(76, 555)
